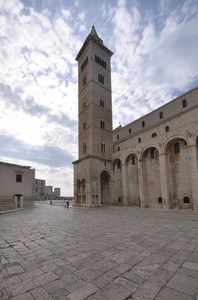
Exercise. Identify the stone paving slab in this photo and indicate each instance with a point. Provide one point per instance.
(111, 253)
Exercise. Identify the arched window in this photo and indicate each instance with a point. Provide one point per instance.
(133, 160)
(152, 153)
(160, 200)
(84, 80)
(118, 164)
(161, 115)
(101, 103)
(139, 140)
(154, 135)
(167, 129)
(102, 147)
(184, 103)
(143, 124)
(176, 148)
(102, 124)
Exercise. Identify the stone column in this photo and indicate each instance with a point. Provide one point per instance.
(193, 164)
(164, 180)
(141, 182)
(124, 185)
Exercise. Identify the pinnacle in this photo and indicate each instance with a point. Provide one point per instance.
(95, 35)
(93, 32)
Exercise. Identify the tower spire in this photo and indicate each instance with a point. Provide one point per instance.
(93, 31)
(94, 34)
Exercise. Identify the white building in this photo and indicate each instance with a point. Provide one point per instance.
(48, 192)
(56, 193)
(39, 189)
(16, 186)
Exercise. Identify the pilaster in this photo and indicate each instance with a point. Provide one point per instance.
(141, 183)
(193, 164)
(124, 185)
(164, 180)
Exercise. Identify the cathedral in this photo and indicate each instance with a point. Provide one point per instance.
(151, 163)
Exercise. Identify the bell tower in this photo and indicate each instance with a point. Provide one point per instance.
(95, 144)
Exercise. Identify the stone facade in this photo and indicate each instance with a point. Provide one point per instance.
(39, 189)
(16, 186)
(48, 192)
(151, 162)
(57, 193)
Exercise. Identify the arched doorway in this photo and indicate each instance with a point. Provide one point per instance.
(179, 174)
(151, 177)
(132, 182)
(18, 201)
(105, 179)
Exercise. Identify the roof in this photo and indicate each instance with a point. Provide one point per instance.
(95, 38)
(15, 165)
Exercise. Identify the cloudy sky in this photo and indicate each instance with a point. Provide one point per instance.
(155, 45)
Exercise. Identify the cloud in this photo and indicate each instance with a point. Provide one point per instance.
(14, 98)
(153, 58)
(47, 155)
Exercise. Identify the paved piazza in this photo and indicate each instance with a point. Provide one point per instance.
(51, 252)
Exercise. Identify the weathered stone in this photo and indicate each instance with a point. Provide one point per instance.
(130, 285)
(147, 291)
(24, 286)
(191, 266)
(112, 291)
(24, 296)
(83, 292)
(185, 284)
(40, 293)
(133, 278)
(171, 294)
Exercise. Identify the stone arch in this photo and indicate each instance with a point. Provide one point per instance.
(156, 146)
(178, 171)
(132, 181)
(117, 179)
(170, 139)
(117, 164)
(196, 138)
(105, 186)
(151, 177)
